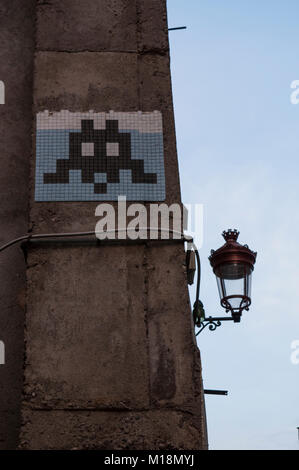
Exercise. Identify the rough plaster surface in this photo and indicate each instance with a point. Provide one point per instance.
(97, 25)
(111, 359)
(114, 430)
(171, 343)
(93, 25)
(88, 331)
(16, 59)
(116, 338)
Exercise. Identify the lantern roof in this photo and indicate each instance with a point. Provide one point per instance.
(232, 252)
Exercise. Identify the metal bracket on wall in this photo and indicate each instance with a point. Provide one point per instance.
(200, 320)
(178, 27)
(211, 322)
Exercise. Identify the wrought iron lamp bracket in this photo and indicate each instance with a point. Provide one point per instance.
(201, 321)
(211, 322)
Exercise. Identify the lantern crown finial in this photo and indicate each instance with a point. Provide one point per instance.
(230, 235)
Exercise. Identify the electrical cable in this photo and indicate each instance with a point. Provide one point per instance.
(29, 237)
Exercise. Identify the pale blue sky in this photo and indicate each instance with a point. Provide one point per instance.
(238, 147)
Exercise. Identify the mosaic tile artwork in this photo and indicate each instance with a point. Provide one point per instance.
(99, 156)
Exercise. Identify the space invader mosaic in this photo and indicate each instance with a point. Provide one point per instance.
(99, 156)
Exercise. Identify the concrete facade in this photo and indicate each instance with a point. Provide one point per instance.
(111, 360)
(16, 67)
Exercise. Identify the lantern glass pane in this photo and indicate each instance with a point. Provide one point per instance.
(234, 281)
(248, 285)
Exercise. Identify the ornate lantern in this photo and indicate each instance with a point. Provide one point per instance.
(233, 264)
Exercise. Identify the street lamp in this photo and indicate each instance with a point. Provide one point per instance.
(232, 264)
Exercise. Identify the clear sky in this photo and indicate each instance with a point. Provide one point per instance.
(238, 148)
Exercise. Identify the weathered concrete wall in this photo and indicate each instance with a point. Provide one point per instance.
(150, 429)
(111, 359)
(117, 344)
(16, 63)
